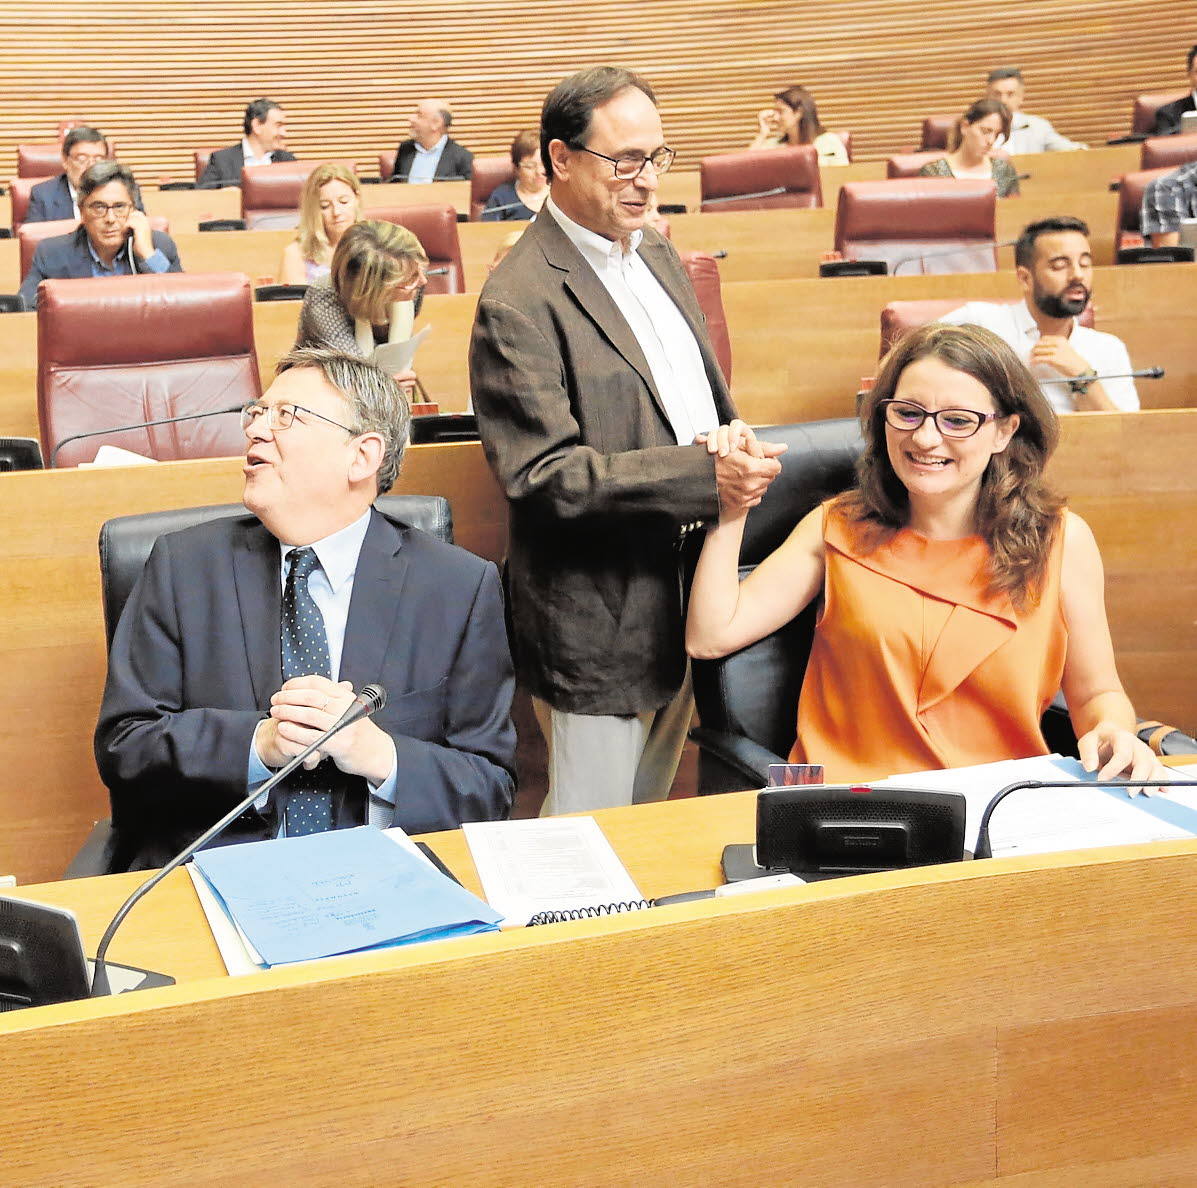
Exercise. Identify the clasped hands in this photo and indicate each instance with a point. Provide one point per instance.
(307, 706)
(744, 466)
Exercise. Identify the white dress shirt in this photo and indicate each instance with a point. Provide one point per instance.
(1033, 134)
(331, 588)
(661, 331)
(424, 163)
(251, 158)
(1105, 353)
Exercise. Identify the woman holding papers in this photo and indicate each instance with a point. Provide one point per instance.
(959, 595)
(371, 295)
(331, 203)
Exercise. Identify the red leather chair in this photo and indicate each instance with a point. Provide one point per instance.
(29, 235)
(1145, 107)
(386, 164)
(436, 229)
(45, 160)
(846, 137)
(935, 132)
(794, 170)
(270, 193)
(909, 164)
(1168, 152)
(1131, 186)
(489, 173)
(18, 191)
(202, 157)
(128, 349)
(919, 225)
(703, 271)
(900, 317)
(69, 122)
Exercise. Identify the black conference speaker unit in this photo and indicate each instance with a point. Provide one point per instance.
(827, 831)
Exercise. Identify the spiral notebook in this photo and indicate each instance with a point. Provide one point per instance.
(542, 871)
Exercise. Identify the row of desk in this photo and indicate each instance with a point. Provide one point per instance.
(1130, 475)
(1018, 1021)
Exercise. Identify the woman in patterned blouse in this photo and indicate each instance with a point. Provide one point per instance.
(970, 148)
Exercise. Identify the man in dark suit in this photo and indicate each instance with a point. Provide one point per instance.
(55, 198)
(1167, 118)
(592, 375)
(264, 142)
(113, 238)
(246, 637)
(430, 155)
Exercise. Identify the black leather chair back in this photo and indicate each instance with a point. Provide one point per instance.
(754, 692)
(126, 541)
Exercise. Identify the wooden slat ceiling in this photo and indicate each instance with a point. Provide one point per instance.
(165, 78)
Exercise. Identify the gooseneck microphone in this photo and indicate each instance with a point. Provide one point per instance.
(983, 848)
(215, 412)
(744, 197)
(371, 699)
(1143, 373)
(959, 249)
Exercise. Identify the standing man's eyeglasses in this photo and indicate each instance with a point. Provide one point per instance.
(631, 165)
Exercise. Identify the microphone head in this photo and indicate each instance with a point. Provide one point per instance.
(373, 697)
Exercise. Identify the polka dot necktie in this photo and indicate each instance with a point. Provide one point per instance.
(305, 653)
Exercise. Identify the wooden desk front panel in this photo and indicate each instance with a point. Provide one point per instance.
(943, 1026)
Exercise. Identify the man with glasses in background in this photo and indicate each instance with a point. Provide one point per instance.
(594, 384)
(113, 238)
(57, 197)
(247, 636)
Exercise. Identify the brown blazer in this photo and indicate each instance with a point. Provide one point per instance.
(598, 488)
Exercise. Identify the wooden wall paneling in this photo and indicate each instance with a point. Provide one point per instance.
(170, 76)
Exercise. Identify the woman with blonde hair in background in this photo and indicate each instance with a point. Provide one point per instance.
(331, 203)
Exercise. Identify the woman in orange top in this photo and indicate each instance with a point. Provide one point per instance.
(959, 595)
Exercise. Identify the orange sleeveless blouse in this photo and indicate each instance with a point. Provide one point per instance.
(915, 666)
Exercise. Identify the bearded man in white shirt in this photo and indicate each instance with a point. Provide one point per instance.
(1054, 265)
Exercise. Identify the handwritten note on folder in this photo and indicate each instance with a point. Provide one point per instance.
(300, 898)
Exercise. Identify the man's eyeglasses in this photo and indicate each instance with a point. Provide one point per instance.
(282, 416)
(631, 165)
(86, 160)
(951, 422)
(101, 209)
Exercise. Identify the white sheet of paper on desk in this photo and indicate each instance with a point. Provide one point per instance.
(394, 357)
(236, 951)
(1044, 820)
(546, 865)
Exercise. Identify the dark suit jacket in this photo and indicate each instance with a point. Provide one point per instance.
(598, 488)
(196, 657)
(1167, 118)
(51, 199)
(225, 165)
(456, 161)
(67, 256)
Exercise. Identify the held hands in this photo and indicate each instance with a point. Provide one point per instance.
(143, 239)
(306, 706)
(744, 466)
(1056, 351)
(1115, 753)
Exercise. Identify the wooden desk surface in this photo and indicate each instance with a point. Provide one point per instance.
(959, 1024)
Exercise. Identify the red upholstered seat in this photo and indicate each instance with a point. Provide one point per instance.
(1130, 206)
(909, 164)
(489, 173)
(386, 164)
(45, 160)
(918, 225)
(1145, 107)
(202, 157)
(846, 137)
(270, 193)
(703, 271)
(935, 132)
(436, 229)
(127, 349)
(900, 317)
(29, 235)
(1168, 152)
(795, 171)
(18, 190)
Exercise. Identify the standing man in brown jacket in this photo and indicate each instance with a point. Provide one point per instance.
(592, 377)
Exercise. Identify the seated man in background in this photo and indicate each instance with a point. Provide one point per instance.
(113, 238)
(1054, 265)
(264, 142)
(1167, 118)
(57, 197)
(430, 155)
(246, 637)
(1167, 202)
(1028, 133)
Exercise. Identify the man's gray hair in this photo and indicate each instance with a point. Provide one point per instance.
(377, 403)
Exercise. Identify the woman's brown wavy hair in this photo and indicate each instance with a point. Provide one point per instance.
(1017, 514)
